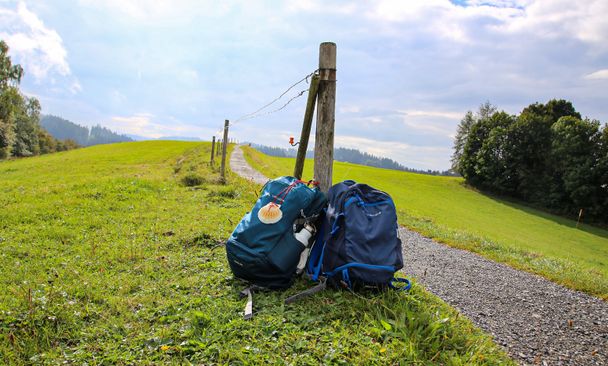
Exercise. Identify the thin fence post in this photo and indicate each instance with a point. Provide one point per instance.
(324, 136)
(212, 149)
(224, 143)
(306, 126)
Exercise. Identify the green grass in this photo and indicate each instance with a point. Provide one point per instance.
(113, 255)
(445, 209)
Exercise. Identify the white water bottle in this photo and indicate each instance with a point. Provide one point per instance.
(303, 236)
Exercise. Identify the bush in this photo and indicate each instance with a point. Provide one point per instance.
(193, 179)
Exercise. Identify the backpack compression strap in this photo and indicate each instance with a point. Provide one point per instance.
(313, 290)
(248, 292)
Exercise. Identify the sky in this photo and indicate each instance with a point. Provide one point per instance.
(407, 71)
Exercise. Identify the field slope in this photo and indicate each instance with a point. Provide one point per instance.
(444, 209)
(113, 255)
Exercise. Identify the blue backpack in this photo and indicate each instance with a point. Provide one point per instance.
(263, 250)
(358, 244)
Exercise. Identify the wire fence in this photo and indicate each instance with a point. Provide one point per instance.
(262, 111)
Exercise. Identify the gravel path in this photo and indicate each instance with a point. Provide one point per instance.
(537, 321)
(239, 165)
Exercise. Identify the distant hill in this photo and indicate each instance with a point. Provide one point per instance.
(63, 129)
(179, 138)
(165, 138)
(351, 156)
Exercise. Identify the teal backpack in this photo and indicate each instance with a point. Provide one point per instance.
(264, 249)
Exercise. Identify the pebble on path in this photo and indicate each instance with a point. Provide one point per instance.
(534, 319)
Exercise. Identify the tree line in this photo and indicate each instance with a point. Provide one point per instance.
(63, 129)
(548, 156)
(20, 131)
(351, 156)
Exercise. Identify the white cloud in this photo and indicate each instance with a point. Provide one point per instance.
(145, 124)
(557, 19)
(350, 109)
(412, 156)
(599, 74)
(188, 77)
(319, 6)
(117, 97)
(75, 87)
(563, 19)
(39, 48)
(439, 114)
(160, 11)
(440, 17)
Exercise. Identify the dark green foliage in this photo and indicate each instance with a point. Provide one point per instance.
(192, 179)
(8, 98)
(63, 129)
(20, 131)
(575, 155)
(46, 143)
(488, 144)
(102, 135)
(9, 74)
(547, 156)
(26, 128)
(603, 168)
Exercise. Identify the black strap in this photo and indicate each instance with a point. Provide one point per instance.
(313, 290)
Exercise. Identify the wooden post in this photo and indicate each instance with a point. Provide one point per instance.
(324, 136)
(224, 143)
(212, 149)
(306, 126)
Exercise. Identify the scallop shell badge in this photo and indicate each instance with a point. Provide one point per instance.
(270, 213)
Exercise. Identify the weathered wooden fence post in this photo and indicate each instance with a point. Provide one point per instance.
(324, 136)
(212, 149)
(306, 126)
(224, 143)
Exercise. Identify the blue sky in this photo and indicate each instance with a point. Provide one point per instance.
(407, 70)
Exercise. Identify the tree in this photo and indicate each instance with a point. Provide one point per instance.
(26, 128)
(10, 75)
(10, 100)
(575, 152)
(484, 156)
(553, 110)
(46, 143)
(464, 128)
(20, 131)
(530, 145)
(547, 156)
(460, 140)
(603, 173)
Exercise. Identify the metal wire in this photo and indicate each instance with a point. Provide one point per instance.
(273, 111)
(254, 114)
(258, 113)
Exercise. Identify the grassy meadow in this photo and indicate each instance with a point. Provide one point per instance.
(113, 254)
(445, 209)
